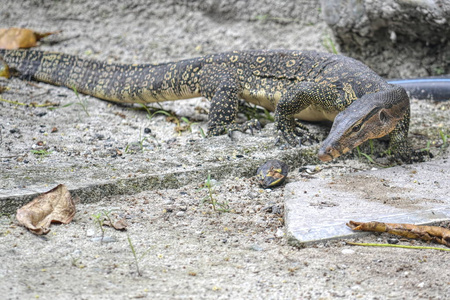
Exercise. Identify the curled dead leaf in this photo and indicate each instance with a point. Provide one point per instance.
(272, 173)
(54, 206)
(427, 233)
(15, 38)
(118, 225)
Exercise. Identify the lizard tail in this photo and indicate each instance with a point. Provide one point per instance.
(143, 83)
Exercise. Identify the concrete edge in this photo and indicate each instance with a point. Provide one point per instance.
(342, 231)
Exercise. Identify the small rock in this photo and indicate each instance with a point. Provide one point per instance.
(134, 147)
(168, 202)
(90, 232)
(348, 251)
(14, 130)
(256, 247)
(279, 233)
(276, 210)
(252, 195)
(168, 208)
(106, 239)
(356, 288)
(392, 241)
(180, 214)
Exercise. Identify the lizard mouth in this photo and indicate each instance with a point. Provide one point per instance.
(329, 153)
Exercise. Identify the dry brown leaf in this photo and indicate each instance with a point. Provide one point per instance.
(15, 38)
(427, 233)
(54, 206)
(118, 225)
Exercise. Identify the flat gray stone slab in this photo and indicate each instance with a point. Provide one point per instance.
(317, 209)
(99, 175)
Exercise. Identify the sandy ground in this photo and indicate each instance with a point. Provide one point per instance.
(186, 249)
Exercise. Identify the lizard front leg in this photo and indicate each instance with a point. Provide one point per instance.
(220, 85)
(294, 101)
(399, 146)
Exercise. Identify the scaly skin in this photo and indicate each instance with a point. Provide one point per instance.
(307, 85)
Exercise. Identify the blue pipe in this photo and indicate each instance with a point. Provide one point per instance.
(434, 88)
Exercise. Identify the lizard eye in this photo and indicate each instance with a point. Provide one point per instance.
(384, 118)
(356, 128)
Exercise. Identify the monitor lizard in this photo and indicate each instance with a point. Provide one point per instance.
(305, 85)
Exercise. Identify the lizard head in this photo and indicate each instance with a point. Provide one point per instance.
(369, 117)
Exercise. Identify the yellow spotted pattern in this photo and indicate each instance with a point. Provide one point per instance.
(317, 84)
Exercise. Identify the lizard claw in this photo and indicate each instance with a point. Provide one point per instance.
(291, 139)
(255, 125)
(258, 125)
(251, 129)
(306, 136)
(293, 132)
(215, 130)
(296, 137)
(249, 125)
(417, 156)
(409, 156)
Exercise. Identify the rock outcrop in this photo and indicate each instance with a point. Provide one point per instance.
(397, 38)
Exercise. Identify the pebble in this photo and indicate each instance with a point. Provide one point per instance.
(168, 208)
(356, 288)
(168, 201)
(256, 247)
(252, 195)
(106, 239)
(14, 130)
(180, 214)
(276, 210)
(348, 251)
(392, 241)
(90, 232)
(279, 233)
